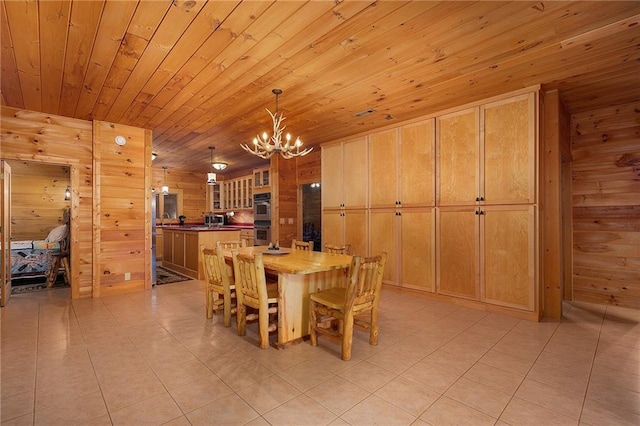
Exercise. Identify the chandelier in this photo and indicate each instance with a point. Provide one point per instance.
(266, 146)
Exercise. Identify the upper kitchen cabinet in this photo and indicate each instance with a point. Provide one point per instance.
(344, 170)
(262, 179)
(458, 157)
(487, 154)
(402, 172)
(509, 151)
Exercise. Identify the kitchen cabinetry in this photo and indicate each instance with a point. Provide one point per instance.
(487, 216)
(345, 170)
(182, 248)
(340, 227)
(159, 243)
(402, 197)
(247, 234)
(488, 253)
(261, 179)
(238, 193)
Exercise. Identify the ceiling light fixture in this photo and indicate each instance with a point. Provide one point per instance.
(211, 177)
(265, 146)
(67, 193)
(165, 187)
(154, 155)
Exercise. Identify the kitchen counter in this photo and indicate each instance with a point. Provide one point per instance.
(181, 246)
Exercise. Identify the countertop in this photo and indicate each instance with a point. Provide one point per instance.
(204, 228)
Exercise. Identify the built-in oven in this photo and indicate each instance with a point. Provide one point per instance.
(261, 234)
(262, 207)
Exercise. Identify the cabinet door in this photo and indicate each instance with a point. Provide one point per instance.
(384, 237)
(167, 249)
(331, 165)
(355, 171)
(159, 245)
(191, 257)
(458, 234)
(458, 153)
(509, 151)
(332, 223)
(417, 164)
(178, 248)
(383, 169)
(509, 247)
(417, 248)
(355, 231)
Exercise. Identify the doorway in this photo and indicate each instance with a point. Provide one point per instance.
(65, 187)
(312, 214)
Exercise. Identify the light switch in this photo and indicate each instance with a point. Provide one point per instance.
(290, 221)
(127, 276)
(282, 221)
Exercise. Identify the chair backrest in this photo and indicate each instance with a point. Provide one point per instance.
(365, 281)
(225, 245)
(215, 269)
(251, 284)
(302, 245)
(330, 248)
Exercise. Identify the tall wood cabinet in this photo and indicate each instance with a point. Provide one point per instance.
(451, 199)
(402, 200)
(344, 174)
(486, 218)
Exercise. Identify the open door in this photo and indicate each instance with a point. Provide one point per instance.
(5, 233)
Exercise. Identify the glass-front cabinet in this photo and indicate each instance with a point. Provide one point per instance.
(238, 193)
(261, 177)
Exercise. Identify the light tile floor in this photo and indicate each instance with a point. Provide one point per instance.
(153, 358)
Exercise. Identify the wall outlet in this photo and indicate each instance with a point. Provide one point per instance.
(127, 276)
(282, 221)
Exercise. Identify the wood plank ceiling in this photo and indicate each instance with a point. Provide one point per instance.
(200, 73)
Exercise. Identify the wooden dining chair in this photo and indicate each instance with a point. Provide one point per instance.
(360, 298)
(225, 245)
(220, 290)
(253, 292)
(330, 248)
(302, 245)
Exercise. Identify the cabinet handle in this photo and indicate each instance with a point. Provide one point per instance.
(477, 213)
(477, 198)
(481, 198)
(481, 211)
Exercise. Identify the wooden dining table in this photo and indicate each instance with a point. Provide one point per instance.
(300, 273)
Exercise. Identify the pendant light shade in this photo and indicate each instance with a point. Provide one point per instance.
(165, 187)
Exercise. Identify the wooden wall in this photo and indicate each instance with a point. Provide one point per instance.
(122, 209)
(192, 190)
(606, 205)
(37, 196)
(111, 190)
(49, 139)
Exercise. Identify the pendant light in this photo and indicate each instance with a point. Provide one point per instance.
(165, 187)
(211, 177)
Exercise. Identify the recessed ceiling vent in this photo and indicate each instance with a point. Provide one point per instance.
(365, 112)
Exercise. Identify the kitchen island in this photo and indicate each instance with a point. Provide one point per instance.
(181, 246)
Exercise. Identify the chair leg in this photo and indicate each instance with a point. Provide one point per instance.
(226, 310)
(209, 299)
(52, 275)
(347, 337)
(313, 324)
(263, 328)
(373, 334)
(241, 318)
(67, 270)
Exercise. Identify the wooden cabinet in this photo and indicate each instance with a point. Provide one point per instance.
(487, 253)
(238, 193)
(401, 194)
(345, 170)
(159, 244)
(247, 234)
(341, 227)
(261, 179)
(487, 154)
(182, 249)
(486, 222)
